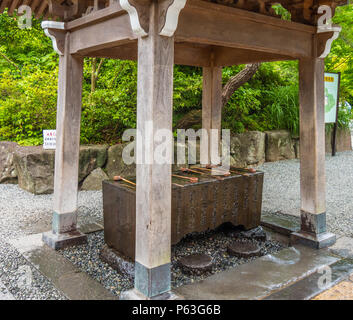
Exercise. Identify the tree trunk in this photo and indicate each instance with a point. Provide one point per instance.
(194, 117)
(95, 73)
(238, 80)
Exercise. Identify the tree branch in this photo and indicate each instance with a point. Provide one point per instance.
(237, 81)
(10, 61)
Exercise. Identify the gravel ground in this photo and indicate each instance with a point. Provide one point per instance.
(21, 279)
(282, 190)
(22, 213)
(86, 258)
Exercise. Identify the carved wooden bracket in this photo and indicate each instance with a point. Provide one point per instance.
(169, 14)
(139, 12)
(56, 32)
(325, 37)
(139, 15)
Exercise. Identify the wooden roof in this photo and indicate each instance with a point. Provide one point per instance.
(302, 11)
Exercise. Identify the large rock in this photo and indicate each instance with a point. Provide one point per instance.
(35, 169)
(35, 166)
(343, 140)
(115, 164)
(94, 180)
(8, 172)
(296, 145)
(279, 145)
(247, 148)
(191, 120)
(91, 157)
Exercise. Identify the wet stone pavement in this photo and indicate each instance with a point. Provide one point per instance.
(214, 244)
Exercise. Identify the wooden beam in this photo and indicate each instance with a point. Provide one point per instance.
(112, 11)
(41, 10)
(184, 54)
(112, 32)
(4, 4)
(209, 23)
(231, 56)
(189, 54)
(203, 23)
(13, 7)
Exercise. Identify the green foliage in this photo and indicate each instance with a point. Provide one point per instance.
(282, 110)
(187, 88)
(268, 101)
(27, 105)
(28, 88)
(282, 12)
(111, 108)
(340, 58)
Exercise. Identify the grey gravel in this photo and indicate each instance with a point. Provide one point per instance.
(22, 213)
(282, 190)
(21, 280)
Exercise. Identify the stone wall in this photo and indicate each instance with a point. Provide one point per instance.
(33, 168)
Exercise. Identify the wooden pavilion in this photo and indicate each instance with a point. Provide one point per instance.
(159, 34)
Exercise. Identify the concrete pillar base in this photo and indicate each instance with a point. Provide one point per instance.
(136, 295)
(64, 240)
(318, 241)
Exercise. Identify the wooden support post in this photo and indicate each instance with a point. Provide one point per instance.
(64, 232)
(153, 192)
(212, 108)
(312, 155)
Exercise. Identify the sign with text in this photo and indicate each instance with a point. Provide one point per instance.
(49, 139)
(332, 83)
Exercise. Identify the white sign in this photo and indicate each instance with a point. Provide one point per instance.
(49, 139)
(332, 87)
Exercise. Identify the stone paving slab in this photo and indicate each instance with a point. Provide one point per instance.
(73, 283)
(260, 277)
(281, 223)
(316, 283)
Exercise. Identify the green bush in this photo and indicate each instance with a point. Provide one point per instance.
(28, 105)
(282, 109)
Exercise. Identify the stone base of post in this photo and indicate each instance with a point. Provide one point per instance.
(64, 240)
(318, 241)
(136, 295)
(64, 232)
(313, 231)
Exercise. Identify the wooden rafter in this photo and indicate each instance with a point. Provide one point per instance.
(302, 11)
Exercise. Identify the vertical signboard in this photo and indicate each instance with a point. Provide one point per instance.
(332, 87)
(331, 96)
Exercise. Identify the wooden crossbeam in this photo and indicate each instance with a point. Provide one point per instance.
(202, 23)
